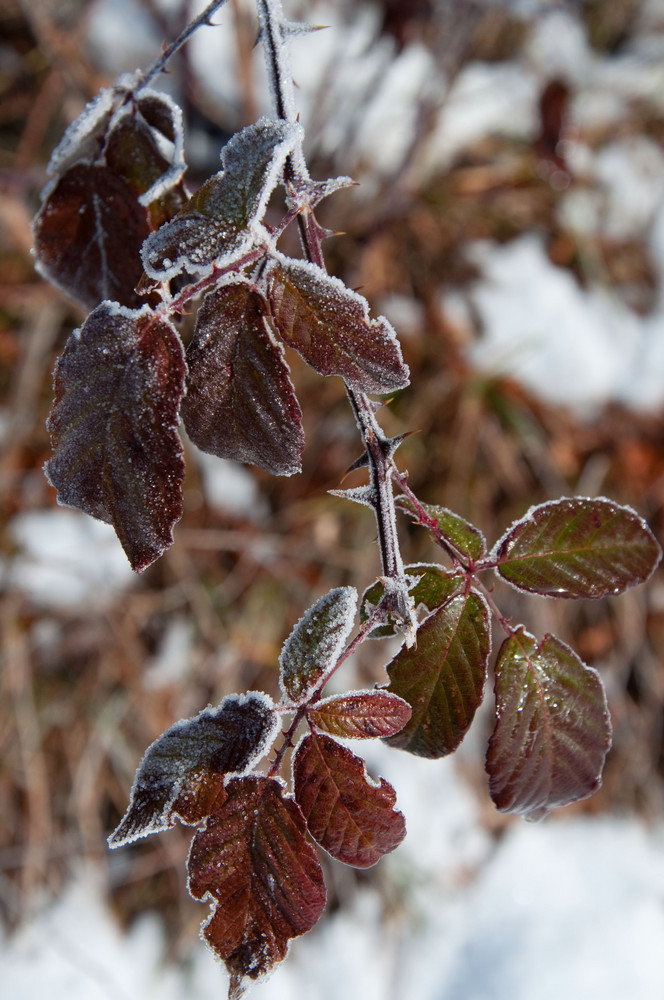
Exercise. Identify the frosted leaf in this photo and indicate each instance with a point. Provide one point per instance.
(240, 401)
(118, 176)
(464, 537)
(430, 587)
(552, 731)
(255, 866)
(578, 547)
(330, 326)
(83, 137)
(214, 226)
(352, 817)
(114, 427)
(182, 774)
(315, 644)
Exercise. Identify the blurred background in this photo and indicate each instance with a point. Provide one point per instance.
(509, 221)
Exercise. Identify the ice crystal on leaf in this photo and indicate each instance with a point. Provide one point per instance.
(117, 452)
(183, 773)
(217, 226)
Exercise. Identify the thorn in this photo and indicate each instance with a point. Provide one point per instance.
(359, 463)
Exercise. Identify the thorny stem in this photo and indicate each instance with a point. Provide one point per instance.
(378, 448)
(160, 64)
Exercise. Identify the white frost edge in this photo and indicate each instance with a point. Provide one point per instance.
(161, 822)
(345, 595)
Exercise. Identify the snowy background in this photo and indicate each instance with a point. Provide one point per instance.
(560, 302)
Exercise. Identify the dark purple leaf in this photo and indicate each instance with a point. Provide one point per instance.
(315, 644)
(240, 401)
(442, 676)
(88, 235)
(331, 328)
(361, 714)
(463, 536)
(218, 224)
(578, 547)
(183, 772)
(112, 184)
(552, 729)
(349, 815)
(253, 862)
(117, 452)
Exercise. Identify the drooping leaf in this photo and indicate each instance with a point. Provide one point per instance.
(461, 534)
(331, 328)
(361, 714)
(88, 236)
(315, 644)
(442, 677)
(117, 452)
(254, 864)
(577, 547)
(552, 729)
(182, 773)
(432, 588)
(349, 815)
(216, 225)
(240, 401)
(113, 181)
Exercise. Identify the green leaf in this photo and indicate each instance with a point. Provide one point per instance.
(442, 677)
(240, 401)
(254, 864)
(360, 714)
(114, 427)
(552, 729)
(182, 773)
(331, 328)
(577, 547)
(315, 644)
(433, 587)
(215, 226)
(350, 816)
(461, 534)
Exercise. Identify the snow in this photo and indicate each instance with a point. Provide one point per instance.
(66, 560)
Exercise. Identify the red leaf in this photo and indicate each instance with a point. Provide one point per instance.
(349, 815)
(88, 236)
(442, 676)
(117, 452)
(552, 729)
(361, 714)
(182, 773)
(577, 547)
(240, 401)
(315, 644)
(255, 865)
(330, 327)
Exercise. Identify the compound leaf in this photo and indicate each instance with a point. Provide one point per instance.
(552, 729)
(240, 401)
(442, 677)
(182, 773)
(315, 644)
(577, 547)
(254, 864)
(214, 227)
(361, 714)
(350, 816)
(117, 452)
(331, 328)
(461, 534)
